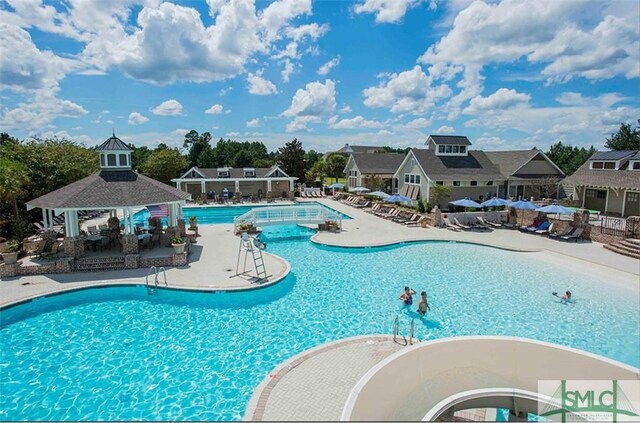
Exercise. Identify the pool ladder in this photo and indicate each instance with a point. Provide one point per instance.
(396, 332)
(152, 289)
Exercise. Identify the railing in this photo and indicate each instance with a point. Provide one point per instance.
(288, 214)
(152, 289)
(613, 226)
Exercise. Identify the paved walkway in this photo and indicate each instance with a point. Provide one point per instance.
(314, 385)
(211, 266)
(369, 230)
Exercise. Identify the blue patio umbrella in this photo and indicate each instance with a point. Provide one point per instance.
(466, 202)
(523, 205)
(555, 208)
(495, 202)
(336, 185)
(397, 198)
(379, 194)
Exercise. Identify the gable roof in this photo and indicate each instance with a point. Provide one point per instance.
(476, 165)
(377, 163)
(604, 178)
(450, 139)
(110, 189)
(613, 155)
(113, 143)
(509, 162)
(635, 156)
(235, 172)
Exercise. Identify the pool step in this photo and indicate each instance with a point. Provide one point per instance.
(627, 247)
(102, 263)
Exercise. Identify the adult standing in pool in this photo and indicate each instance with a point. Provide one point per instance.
(407, 296)
(423, 305)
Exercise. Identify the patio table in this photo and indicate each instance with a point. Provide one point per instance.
(94, 239)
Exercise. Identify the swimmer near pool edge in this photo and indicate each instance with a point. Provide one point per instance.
(566, 298)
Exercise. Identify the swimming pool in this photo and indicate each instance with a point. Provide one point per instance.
(219, 214)
(119, 354)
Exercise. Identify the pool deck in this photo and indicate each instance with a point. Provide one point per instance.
(313, 385)
(213, 260)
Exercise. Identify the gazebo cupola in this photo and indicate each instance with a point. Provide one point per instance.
(114, 154)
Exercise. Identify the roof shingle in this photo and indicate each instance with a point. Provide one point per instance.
(113, 143)
(474, 166)
(450, 139)
(378, 163)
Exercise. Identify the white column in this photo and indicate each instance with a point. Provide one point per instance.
(50, 219)
(624, 201)
(428, 196)
(179, 185)
(269, 185)
(67, 224)
(131, 226)
(290, 185)
(237, 185)
(584, 195)
(124, 218)
(606, 202)
(203, 187)
(44, 218)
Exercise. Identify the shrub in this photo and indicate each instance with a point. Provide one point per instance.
(177, 240)
(428, 207)
(13, 246)
(421, 207)
(192, 219)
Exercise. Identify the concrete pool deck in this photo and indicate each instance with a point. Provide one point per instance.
(213, 260)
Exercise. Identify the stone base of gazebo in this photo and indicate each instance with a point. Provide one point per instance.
(85, 264)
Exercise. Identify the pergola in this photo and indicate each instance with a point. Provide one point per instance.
(115, 187)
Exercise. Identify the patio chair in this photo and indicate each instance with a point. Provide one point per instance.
(449, 225)
(480, 224)
(402, 217)
(52, 252)
(544, 232)
(103, 227)
(45, 249)
(39, 248)
(489, 222)
(92, 229)
(362, 205)
(465, 227)
(575, 235)
(393, 213)
(145, 242)
(567, 231)
(105, 242)
(541, 227)
(415, 222)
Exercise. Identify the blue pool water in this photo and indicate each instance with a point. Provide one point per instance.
(118, 354)
(216, 214)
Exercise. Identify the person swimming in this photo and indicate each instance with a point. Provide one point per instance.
(566, 298)
(407, 295)
(423, 305)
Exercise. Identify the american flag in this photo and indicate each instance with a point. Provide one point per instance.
(160, 210)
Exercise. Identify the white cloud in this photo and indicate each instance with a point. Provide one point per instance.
(216, 109)
(276, 16)
(168, 108)
(225, 91)
(418, 123)
(503, 98)
(326, 68)
(260, 86)
(287, 70)
(41, 111)
(345, 109)
(136, 118)
(233, 134)
(445, 130)
(253, 123)
(316, 99)
(312, 31)
(384, 132)
(301, 123)
(407, 92)
(386, 11)
(356, 122)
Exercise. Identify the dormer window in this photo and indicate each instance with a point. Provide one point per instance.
(602, 165)
(249, 172)
(223, 172)
(634, 165)
(114, 154)
(111, 160)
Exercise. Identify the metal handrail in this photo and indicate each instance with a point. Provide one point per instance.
(164, 274)
(396, 328)
(413, 322)
(146, 278)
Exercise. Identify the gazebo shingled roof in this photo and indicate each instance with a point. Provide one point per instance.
(110, 189)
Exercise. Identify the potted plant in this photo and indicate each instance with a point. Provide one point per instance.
(178, 244)
(10, 253)
(193, 222)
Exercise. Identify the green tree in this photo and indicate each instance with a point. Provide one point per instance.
(374, 182)
(334, 166)
(13, 177)
(627, 138)
(197, 145)
(317, 171)
(291, 159)
(163, 165)
(139, 156)
(263, 163)
(242, 159)
(569, 158)
(311, 158)
(438, 193)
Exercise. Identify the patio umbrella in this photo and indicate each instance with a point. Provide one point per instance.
(555, 208)
(397, 198)
(467, 203)
(523, 205)
(379, 194)
(495, 202)
(359, 189)
(336, 185)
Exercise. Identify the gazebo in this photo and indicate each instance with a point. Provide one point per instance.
(115, 187)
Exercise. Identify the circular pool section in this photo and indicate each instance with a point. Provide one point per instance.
(118, 354)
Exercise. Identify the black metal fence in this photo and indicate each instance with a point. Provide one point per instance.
(628, 228)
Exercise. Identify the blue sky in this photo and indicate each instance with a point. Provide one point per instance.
(509, 75)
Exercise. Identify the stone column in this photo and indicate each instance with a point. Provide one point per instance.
(74, 246)
(436, 216)
(129, 244)
(132, 261)
(181, 228)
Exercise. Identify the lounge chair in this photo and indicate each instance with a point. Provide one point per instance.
(416, 222)
(465, 227)
(567, 231)
(39, 248)
(450, 225)
(541, 227)
(363, 205)
(544, 232)
(39, 227)
(575, 235)
(533, 227)
(53, 251)
(402, 217)
(487, 222)
(479, 224)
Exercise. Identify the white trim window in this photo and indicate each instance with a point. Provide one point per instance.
(604, 165)
(412, 178)
(634, 165)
